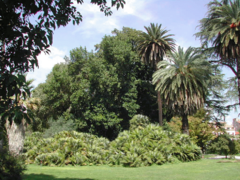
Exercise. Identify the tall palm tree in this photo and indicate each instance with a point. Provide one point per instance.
(221, 28)
(182, 82)
(152, 48)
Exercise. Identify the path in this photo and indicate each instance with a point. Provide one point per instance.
(223, 157)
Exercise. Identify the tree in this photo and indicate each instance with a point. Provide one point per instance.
(200, 128)
(152, 48)
(221, 29)
(182, 82)
(22, 41)
(223, 144)
(100, 91)
(16, 131)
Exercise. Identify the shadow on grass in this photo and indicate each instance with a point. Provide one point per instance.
(48, 177)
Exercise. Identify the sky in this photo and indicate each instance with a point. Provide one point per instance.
(181, 18)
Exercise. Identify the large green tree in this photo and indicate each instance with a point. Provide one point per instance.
(100, 91)
(153, 46)
(182, 82)
(220, 33)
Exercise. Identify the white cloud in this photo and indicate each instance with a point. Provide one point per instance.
(95, 22)
(136, 8)
(46, 63)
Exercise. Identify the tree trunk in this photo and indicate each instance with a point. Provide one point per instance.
(238, 78)
(159, 100)
(16, 135)
(3, 139)
(185, 127)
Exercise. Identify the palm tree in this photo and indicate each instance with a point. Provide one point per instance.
(16, 130)
(182, 82)
(221, 28)
(152, 48)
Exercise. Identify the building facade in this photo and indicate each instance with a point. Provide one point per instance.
(236, 124)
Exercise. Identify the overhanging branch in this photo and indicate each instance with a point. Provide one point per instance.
(225, 64)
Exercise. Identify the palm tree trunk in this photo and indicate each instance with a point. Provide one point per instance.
(16, 135)
(159, 100)
(3, 136)
(185, 126)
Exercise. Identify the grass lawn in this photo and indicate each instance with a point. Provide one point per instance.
(205, 169)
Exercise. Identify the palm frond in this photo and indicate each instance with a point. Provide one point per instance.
(182, 80)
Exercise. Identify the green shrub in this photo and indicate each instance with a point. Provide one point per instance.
(152, 145)
(139, 121)
(79, 159)
(56, 126)
(10, 167)
(31, 140)
(224, 145)
(68, 147)
(50, 159)
(137, 147)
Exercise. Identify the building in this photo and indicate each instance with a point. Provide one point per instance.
(236, 124)
(230, 129)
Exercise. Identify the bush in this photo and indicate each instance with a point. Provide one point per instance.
(137, 147)
(224, 145)
(59, 125)
(139, 121)
(50, 159)
(10, 167)
(152, 145)
(67, 148)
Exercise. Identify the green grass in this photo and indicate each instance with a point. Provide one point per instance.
(207, 169)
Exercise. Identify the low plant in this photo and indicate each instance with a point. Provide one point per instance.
(139, 121)
(152, 145)
(67, 148)
(137, 147)
(10, 167)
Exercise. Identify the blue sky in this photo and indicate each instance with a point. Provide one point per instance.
(180, 17)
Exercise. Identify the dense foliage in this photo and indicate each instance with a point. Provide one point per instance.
(139, 121)
(10, 167)
(56, 126)
(138, 147)
(22, 40)
(182, 82)
(219, 34)
(100, 91)
(224, 145)
(200, 130)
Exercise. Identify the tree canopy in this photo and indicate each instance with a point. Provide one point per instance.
(100, 91)
(219, 33)
(182, 82)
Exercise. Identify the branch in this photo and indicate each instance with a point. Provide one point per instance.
(225, 64)
(233, 105)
